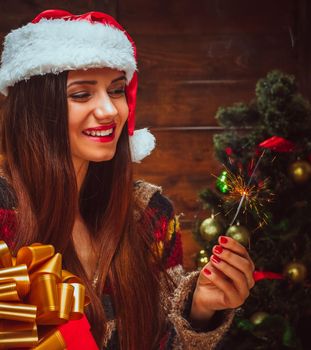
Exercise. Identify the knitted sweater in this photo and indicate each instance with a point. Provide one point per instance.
(176, 306)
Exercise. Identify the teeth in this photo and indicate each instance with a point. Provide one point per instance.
(98, 133)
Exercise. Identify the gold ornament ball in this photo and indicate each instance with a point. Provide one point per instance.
(296, 272)
(210, 229)
(239, 233)
(202, 258)
(258, 317)
(300, 171)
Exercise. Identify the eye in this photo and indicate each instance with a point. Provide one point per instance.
(80, 95)
(117, 92)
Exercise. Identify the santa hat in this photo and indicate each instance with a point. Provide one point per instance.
(57, 40)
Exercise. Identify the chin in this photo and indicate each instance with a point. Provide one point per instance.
(103, 157)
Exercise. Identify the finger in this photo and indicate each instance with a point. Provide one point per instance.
(209, 266)
(237, 277)
(232, 244)
(231, 296)
(236, 261)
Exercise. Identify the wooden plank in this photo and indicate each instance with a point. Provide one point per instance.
(28, 9)
(303, 43)
(190, 249)
(183, 164)
(188, 103)
(213, 57)
(206, 16)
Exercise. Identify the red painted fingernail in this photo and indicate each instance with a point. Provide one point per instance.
(218, 249)
(207, 271)
(223, 240)
(215, 259)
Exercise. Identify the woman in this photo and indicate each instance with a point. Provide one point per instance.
(67, 143)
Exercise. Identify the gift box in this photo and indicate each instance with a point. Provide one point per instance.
(41, 305)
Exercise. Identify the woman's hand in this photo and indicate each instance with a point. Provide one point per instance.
(224, 282)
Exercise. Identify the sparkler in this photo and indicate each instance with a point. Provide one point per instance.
(251, 195)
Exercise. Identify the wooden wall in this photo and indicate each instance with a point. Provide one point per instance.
(194, 56)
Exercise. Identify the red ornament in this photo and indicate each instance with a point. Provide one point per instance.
(228, 151)
(267, 275)
(278, 144)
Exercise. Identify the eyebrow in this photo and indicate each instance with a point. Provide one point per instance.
(94, 82)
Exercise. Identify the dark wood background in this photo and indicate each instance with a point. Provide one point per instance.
(194, 56)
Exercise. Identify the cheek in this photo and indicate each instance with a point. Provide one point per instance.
(72, 125)
(75, 117)
(71, 119)
(124, 112)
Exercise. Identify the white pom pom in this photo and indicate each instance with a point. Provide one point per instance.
(141, 144)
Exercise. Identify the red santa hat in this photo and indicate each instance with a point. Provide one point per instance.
(57, 40)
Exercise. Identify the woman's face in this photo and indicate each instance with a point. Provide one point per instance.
(97, 112)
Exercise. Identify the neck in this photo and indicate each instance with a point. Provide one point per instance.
(80, 170)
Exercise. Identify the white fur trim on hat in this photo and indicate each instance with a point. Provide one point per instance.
(53, 46)
(142, 142)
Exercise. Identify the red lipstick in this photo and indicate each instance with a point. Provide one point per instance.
(101, 127)
(103, 133)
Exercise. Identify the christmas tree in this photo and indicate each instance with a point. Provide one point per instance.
(262, 198)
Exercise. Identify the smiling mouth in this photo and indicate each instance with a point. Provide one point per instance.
(98, 133)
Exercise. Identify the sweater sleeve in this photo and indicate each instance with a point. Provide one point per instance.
(7, 213)
(177, 301)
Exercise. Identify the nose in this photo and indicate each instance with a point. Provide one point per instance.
(105, 109)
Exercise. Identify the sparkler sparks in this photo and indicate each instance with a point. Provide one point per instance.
(249, 196)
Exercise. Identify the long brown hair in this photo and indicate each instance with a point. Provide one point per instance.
(38, 164)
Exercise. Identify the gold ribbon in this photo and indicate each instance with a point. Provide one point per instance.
(35, 291)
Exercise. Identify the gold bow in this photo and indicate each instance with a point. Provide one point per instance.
(35, 291)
